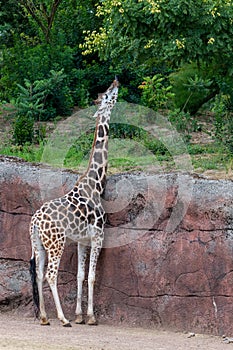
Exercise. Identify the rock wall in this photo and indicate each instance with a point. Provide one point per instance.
(167, 260)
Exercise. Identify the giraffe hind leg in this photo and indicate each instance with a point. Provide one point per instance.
(37, 263)
(35, 291)
(51, 275)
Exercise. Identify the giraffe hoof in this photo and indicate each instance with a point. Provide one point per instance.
(44, 322)
(68, 324)
(79, 320)
(92, 321)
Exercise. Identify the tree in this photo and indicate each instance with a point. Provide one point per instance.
(73, 18)
(48, 40)
(11, 21)
(43, 13)
(168, 33)
(171, 30)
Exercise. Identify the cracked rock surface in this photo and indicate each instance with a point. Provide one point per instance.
(168, 253)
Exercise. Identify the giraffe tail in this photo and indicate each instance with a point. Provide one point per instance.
(35, 291)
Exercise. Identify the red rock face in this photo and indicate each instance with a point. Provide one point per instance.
(168, 256)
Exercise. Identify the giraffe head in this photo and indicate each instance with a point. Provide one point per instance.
(109, 96)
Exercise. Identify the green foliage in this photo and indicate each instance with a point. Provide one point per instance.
(191, 87)
(123, 131)
(72, 19)
(89, 80)
(23, 130)
(44, 99)
(155, 94)
(132, 132)
(226, 88)
(209, 148)
(30, 100)
(63, 53)
(28, 152)
(11, 20)
(79, 150)
(223, 123)
(173, 30)
(28, 105)
(40, 100)
(58, 99)
(32, 63)
(184, 123)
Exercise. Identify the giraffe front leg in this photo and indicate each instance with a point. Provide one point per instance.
(82, 253)
(95, 251)
(51, 275)
(90, 312)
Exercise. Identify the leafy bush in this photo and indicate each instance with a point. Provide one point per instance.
(191, 87)
(184, 123)
(80, 149)
(223, 122)
(226, 92)
(23, 130)
(139, 135)
(33, 63)
(58, 99)
(123, 131)
(79, 88)
(155, 93)
(40, 100)
(44, 99)
(28, 106)
(30, 100)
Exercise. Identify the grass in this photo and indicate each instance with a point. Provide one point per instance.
(30, 153)
(211, 162)
(136, 151)
(128, 156)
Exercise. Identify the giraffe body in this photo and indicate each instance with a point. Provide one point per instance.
(79, 216)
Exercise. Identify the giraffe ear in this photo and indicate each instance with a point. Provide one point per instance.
(116, 81)
(95, 102)
(98, 100)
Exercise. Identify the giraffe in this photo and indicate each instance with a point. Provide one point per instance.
(79, 216)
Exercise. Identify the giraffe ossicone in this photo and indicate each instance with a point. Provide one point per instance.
(79, 216)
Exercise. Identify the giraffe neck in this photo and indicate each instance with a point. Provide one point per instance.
(99, 155)
(95, 175)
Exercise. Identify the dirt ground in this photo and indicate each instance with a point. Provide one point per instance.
(18, 333)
